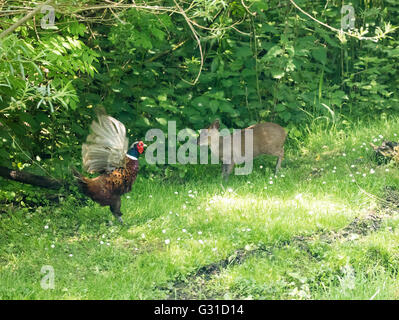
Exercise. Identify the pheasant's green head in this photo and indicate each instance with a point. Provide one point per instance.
(136, 149)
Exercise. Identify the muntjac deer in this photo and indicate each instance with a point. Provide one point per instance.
(267, 138)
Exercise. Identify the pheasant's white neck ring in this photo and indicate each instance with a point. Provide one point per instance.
(131, 157)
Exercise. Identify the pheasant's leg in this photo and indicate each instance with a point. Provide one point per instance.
(116, 209)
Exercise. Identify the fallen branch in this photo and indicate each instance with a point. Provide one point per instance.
(29, 178)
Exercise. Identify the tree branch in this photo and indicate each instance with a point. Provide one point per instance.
(24, 19)
(29, 178)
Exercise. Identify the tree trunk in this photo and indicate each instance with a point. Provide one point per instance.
(30, 178)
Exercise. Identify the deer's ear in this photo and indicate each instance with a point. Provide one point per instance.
(215, 124)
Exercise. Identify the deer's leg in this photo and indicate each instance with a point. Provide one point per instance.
(116, 209)
(280, 158)
(226, 170)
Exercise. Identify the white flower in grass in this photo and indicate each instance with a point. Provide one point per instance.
(189, 191)
(353, 149)
(351, 175)
(387, 170)
(71, 255)
(381, 136)
(184, 230)
(333, 171)
(353, 180)
(167, 241)
(207, 209)
(282, 176)
(108, 244)
(372, 171)
(261, 167)
(52, 246)
(127, 197)
(214, 249)
(200, 232)
(101, 242)
(143, 235)
(184, 206)
(364, 174)
(163, 231)
(230, 190)
(265, 188)
(357, 172)
(150, 195)
(176, 192)
(344, 154)
(352, 166)
(201, 241)
(375, 140)
(395, 134)
(324, 182)
(45, 227)
(270, 182)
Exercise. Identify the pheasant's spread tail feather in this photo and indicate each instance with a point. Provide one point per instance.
(106, 146)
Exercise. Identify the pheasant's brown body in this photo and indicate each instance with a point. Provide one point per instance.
(107, 188)
(106, 151)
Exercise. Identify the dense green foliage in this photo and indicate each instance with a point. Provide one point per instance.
(275, 65)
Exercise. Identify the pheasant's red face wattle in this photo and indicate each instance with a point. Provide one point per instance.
(140, 147)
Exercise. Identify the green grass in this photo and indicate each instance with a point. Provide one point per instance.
(173, 229)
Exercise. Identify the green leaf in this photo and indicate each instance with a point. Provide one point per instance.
(244, 52)
(320, 54)
(162, 121)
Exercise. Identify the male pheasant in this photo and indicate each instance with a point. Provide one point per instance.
(106, 152)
